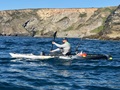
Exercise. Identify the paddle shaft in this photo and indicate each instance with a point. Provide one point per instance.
(76, 50)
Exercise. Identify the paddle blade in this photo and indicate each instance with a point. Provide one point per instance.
(55, 35)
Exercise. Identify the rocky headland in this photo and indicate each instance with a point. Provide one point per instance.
(96, 23)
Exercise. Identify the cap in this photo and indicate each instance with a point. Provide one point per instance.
(65, 38)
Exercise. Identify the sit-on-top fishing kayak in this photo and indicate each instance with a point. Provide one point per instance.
(77, 56)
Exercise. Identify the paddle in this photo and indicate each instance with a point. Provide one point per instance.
(76, 50)
(54, 35)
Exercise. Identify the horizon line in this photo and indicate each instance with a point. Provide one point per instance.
(58, 8)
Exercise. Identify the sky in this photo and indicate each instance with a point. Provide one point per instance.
(35, 4)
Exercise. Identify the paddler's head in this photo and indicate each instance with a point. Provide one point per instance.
(64, 40)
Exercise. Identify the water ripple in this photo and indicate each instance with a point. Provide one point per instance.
(54, 74)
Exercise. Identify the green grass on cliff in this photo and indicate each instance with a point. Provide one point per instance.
(64, 18)
(108, 9)
(97, 30)
(69, 28)
(83, 15)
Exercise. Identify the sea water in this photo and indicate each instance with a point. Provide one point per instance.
(53, 74)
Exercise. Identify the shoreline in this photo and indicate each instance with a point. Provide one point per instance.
(86, 38)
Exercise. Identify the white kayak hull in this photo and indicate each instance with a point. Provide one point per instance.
(32, 56)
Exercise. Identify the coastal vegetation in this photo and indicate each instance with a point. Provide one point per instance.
(72, 22)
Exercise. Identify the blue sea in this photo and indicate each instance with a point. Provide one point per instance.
(53, 74)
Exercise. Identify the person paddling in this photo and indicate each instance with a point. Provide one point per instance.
(64, 48)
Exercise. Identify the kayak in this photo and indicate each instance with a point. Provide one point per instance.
(32, 56)
(81, 55)
(76, 56)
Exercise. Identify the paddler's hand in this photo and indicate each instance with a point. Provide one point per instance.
(51, 51)
(53, 42)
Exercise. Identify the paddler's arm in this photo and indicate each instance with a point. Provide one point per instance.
(58, 45)
(58, 49)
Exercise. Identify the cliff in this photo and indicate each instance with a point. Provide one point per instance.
(111, 28)
(68, 22)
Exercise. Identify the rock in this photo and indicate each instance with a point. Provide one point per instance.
(68, 22)
(112, 26)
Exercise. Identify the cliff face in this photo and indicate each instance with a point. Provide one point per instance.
(11, 22)
(43, 22)
(112, 25)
